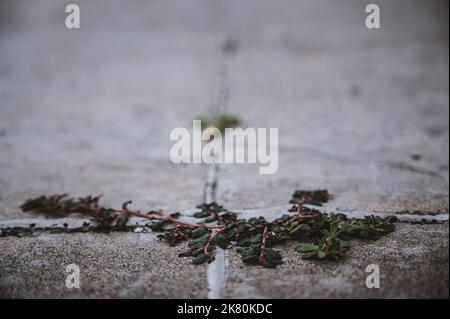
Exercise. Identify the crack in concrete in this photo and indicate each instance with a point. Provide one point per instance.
(402, 166)
(275, 212)
(217, 270)
(210, 186)
(33, 226)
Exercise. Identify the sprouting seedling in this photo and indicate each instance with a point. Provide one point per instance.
(320, 236)
(220, 121)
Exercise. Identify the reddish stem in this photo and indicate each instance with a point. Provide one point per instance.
(211, 237)
(155, 216)
(300, 206)
(262, 254)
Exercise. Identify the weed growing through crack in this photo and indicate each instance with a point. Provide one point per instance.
(320, 235)
(220, 121)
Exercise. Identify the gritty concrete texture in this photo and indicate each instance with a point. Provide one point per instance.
(111, 266)
(413, 256)
(361, 112)
(413, 263)
(353, 106)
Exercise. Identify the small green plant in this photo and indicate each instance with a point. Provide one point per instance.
(320, 236)
(220, 121)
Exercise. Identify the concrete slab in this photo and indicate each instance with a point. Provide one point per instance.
(90, 111)
(413, 263)
(361, 112)
(111, 266)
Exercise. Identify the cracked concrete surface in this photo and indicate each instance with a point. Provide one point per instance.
(361, 112)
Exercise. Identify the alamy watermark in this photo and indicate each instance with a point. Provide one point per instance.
(73, 17)
(236, 146)
(373, 18)
(373, 279)
(73, 279)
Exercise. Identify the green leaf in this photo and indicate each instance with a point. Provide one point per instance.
(221, 241)
(199, 232)
(200, 259)
(273, 258)
(321, 254)
(256, 239)
(326, 232)
(309, 255)
(201, 214)
(334, 227)
(198, 242)
(344, 244)
(125, 205)
(121, 222)
(240, 228)
(306, 248)
(210, 219)
(219, 121)
(252, 259)
(158, 226)
(243, 242)
(300, 228)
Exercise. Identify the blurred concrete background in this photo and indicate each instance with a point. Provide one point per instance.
(361, 112)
